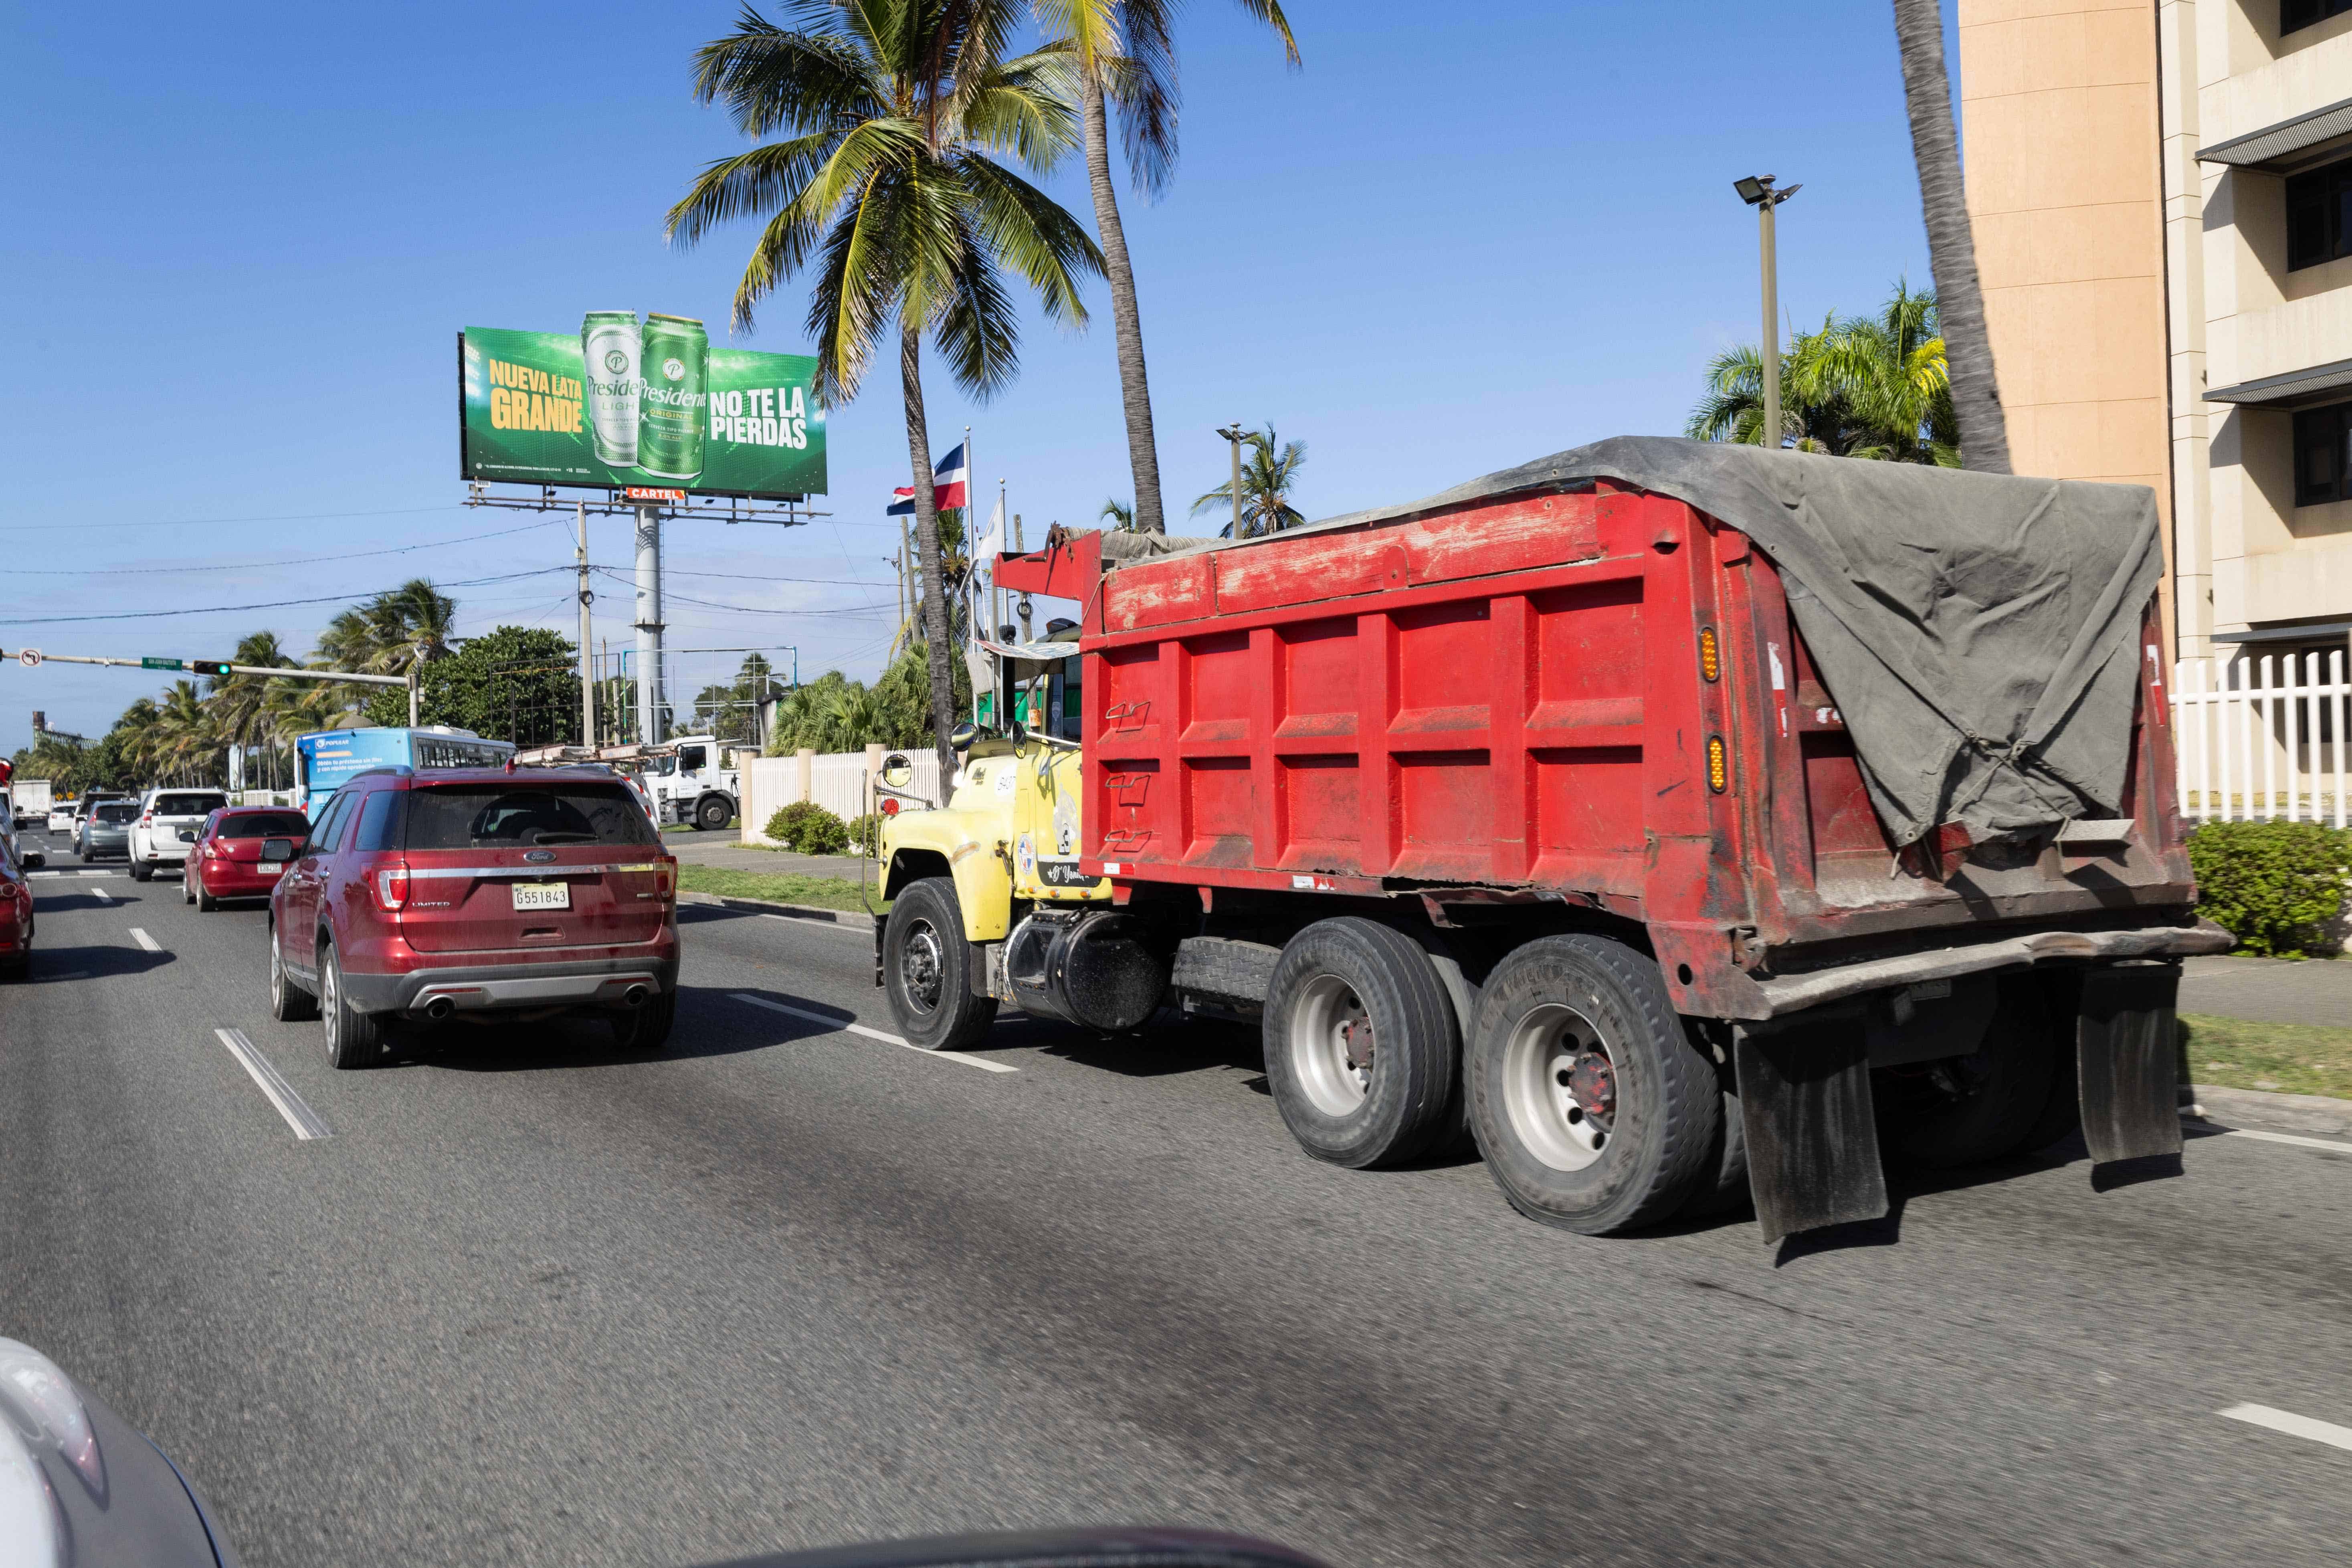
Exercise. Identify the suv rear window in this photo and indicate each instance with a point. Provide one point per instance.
(114, 811)
(490, 816)
(267, 825)
(188, 805)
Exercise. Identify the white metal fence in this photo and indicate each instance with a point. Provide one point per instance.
(2262, 737)
(840, 781)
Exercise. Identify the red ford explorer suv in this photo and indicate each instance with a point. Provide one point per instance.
(476, 895)
(225, 860)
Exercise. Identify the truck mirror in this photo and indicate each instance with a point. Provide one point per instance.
(898, 770)
(964, 736)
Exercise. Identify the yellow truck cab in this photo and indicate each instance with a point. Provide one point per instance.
(989, 906)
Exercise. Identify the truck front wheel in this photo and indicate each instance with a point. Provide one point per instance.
(1362, 1050)
(1595, 1112)
(713, 813)
(927, 969)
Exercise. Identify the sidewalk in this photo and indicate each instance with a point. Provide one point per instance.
(728, 852)
(2270, 989)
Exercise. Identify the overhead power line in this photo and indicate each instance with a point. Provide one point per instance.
(268, 566)
(204, 521)
(346, 597)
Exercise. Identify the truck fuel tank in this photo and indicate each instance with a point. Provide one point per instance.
(1095, 968)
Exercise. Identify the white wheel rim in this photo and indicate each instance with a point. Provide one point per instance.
(1331, 1046)
(1539, 1064)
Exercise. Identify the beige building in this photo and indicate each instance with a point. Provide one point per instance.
(2162, 192)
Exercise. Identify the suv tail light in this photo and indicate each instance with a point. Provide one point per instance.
(665, 877)
(390, 885)
(147, 820)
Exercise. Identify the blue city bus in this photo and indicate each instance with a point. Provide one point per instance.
(324, 760)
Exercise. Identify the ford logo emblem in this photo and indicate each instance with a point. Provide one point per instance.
(540, 857)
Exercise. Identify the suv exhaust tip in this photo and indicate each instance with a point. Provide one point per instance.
(439, 1008)
(637, 997)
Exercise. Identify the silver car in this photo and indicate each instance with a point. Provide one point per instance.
(107, 829)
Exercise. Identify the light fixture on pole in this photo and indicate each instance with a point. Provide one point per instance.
(1757, 191)
(1233, 433)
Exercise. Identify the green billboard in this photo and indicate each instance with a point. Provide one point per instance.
(628, 403)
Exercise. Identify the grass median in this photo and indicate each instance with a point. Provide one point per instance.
(2278, 1059)
(775, 887)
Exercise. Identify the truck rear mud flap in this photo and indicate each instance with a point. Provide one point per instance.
(1812, 1132)
(2125, 1041)
(1808, 1109)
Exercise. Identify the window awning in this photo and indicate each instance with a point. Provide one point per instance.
(2267, 148)
(2287, 390)
(2320, 632)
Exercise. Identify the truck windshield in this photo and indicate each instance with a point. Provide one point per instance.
(484, 817)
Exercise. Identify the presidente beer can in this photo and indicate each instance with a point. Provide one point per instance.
(610, 344)
(677, 398)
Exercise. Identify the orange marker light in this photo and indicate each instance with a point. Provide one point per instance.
(1719, 764)
(1710, 656)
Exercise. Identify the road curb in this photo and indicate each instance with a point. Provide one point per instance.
(2319, 1114)
(855, 918)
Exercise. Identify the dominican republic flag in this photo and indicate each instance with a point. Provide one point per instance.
(948, 487)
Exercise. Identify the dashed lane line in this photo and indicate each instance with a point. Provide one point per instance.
(2293, 1140)
(2291, 1424)
(855, 1027)
(143, 940)
(274, 1087)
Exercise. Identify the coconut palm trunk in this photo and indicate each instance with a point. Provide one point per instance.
(1134, 384)
(927, 547)
(1952, 247)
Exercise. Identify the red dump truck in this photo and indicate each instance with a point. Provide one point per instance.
(1678, 821)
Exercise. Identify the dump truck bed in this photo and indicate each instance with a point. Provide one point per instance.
(1583, 693)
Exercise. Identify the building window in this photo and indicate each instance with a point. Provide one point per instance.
(2293, 14)
(2323, 454)
(2319, 212)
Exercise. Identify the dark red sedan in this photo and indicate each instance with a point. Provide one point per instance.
(225, 860)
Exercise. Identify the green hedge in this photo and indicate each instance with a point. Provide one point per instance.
(2276, 886)
(808, 829)
(864, 830)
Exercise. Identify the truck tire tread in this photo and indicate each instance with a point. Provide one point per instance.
(1417, 1051)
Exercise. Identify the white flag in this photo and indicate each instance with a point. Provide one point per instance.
(991, 542)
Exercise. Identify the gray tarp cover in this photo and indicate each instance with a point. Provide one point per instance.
(1979, 632)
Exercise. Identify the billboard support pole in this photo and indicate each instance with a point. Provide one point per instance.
(649, 625)
(587, 647)
(413, 697)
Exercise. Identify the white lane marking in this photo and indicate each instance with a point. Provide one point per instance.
(143, 940)
(102, 895)
(29, 874)
(856, 1028)
(290, 1105)
(2294, 1426)
(803, 922)
(2297, 1140)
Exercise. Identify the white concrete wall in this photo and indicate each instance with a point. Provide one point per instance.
(840, 781)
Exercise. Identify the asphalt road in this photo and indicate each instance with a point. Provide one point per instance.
(536, 1302)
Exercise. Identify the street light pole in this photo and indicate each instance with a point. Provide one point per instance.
(1756, 192)
(1233, 433)
(587, 647)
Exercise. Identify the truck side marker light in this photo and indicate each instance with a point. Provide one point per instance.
(1719, 765)
(1710, 655)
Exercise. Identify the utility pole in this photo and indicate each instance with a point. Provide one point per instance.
(1023, 602)
(1233, 433)
(649, 625)
(1756, 192)
(587, 647)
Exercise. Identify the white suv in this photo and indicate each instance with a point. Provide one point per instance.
(169, 822)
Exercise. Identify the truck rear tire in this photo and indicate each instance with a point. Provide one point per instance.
(1362, 1052)
(1595, 1112)
(712, 814)
(927, 969)
(1974, 1110)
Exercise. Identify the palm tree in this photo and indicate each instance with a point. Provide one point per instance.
(1267, 479)
(183, 735)
(1859, 387)
(1118, 513)
(396, 629)
(240, 703)
(885, 185)
(1126, 52)
(1952, 245)
(138, 728)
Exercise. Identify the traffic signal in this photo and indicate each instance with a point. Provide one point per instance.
(209, 665)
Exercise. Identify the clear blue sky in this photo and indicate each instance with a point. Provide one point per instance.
(242, 239)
